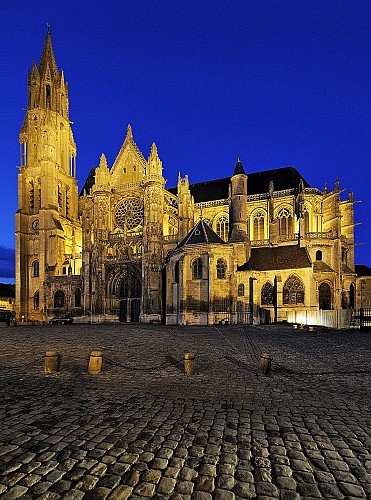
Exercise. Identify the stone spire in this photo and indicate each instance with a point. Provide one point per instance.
(48, 59)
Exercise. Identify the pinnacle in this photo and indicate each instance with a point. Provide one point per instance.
(48, 58)
(129, 133)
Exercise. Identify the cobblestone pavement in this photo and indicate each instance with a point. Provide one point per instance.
(141, 429)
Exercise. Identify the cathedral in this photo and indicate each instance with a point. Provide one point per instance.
(246, 248)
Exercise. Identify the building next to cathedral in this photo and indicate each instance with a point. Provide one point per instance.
(246, 248)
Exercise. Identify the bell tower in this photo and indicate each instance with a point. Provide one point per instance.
(48, 233)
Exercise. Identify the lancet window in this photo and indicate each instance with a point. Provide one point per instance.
(285, 223)
(222, 226)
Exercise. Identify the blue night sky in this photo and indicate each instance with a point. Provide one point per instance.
(278, 82)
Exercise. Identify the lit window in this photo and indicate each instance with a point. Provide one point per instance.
(285, 223)
(222, 227)
(258, 225)
(241, 290)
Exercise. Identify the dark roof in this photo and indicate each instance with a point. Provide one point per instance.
(89, 183)
(362, 270)
(257, 182)
(287, 257)
(200, 234)
(7, 290)
(238, 169)
(321, 267)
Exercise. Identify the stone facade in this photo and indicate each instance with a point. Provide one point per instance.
(245, 248)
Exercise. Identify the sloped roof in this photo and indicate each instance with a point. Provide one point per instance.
(89, 183)
(200, 234)
(257, 182)
(321, 267)
(362, 270)
(7, 290)
(276, 258)
(238, 169)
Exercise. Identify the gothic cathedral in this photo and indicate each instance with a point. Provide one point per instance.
(247, 248)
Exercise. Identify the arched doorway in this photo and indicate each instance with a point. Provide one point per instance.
(324, 296)
(129, 296)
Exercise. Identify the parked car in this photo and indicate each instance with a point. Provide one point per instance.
(62, 319)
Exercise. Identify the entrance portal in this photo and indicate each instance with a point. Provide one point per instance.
(129, 296)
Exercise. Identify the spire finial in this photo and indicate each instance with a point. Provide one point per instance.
(48, 27)
(129, 133)
(239, 158)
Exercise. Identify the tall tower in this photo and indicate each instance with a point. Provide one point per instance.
(48, 233)
(153, 231)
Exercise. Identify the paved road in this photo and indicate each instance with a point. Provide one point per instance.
(141, 429)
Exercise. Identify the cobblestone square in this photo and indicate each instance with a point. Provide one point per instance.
(142, 429)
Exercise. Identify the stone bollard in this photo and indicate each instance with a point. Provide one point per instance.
(189, 364)
(302, 326)
(311, 328)
(51, 362)
(295, 326)
(265, 363)
(95, 362)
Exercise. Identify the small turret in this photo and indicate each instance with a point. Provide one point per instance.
(238, 204)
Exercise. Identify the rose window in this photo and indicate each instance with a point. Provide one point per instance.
(129, 213)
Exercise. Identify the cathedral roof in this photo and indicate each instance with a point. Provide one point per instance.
(277, 258)
(257, 182)
(200, 234)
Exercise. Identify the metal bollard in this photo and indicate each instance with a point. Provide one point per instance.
(95, 362)
(265, 364)
(189, 364)
(51, 362)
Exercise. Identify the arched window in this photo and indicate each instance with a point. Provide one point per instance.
(319, 255)
(258, 225)
(293, 291)
(222, 226)
(324, 296)
(221, 269)
(59, 299)
(285, 223)
(241, 290)
(35, 269)
(267, 294)
(36, 300)
(78, 297)
(197, 269)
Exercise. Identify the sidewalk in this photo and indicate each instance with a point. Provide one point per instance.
(141, 429)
